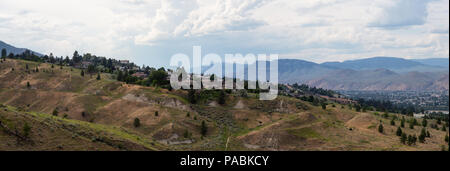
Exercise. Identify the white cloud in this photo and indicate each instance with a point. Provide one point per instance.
(152, 30)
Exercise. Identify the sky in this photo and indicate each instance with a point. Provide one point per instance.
(151, 31)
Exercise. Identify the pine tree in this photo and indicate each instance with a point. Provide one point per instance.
(204, 128)
(381, 128)
(424, 122)
(98, 76)
(392, 122)
(410, 140)
(422, 136)
(411, 125)
(186, 134)
(403, 138)
(156, 113)
(120, 76)
(4, 53)
(324, 106)
(446, 138)
(402, 124)
(222, 98)
(399, 131)
(55, 112)
(191, 97)
(82, 73)
(28, 85)
(444, 128)
(137, 122)
(26, 130)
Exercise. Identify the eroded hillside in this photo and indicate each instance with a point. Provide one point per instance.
(67, 111)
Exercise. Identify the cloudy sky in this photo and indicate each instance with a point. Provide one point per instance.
(151, 31)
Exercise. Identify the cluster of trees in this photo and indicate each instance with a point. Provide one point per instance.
(438, 116)
(195, 96)
(316, 101)
(313, 90)
(388, 106)
(26, 55)
(159, 77)
(408, 139)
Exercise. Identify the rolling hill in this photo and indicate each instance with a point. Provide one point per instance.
(62, 110)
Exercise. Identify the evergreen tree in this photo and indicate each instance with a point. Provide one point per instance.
(411, 125)
(4, 53)
(28, 84)
(137, 122)
(26, 130)
(410, 140)
(399, 131)
(444, 128)
(402, 124)
(392, 122)
(204, 128)
(221, 98)
(358, 108)
(446, 138)
(55, 112)
(82, 73)
(422, 136)
(191, 96)
(120, 76)
(324, 106)
(381, 128)
(76, 57)
(415, 123)
(156, 113)
(26, 67)
(186, 134)
(98, 76)
(424, 122)
(403, 138)
(439, 121)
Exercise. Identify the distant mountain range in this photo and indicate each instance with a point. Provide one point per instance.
(378, 73)
(14, 50)
(394, 64)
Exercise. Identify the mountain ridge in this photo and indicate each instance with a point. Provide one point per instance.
(14, 50)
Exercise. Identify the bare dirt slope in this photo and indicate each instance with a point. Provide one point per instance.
(100, 114)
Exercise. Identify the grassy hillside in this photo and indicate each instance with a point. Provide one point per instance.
(67, 111)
